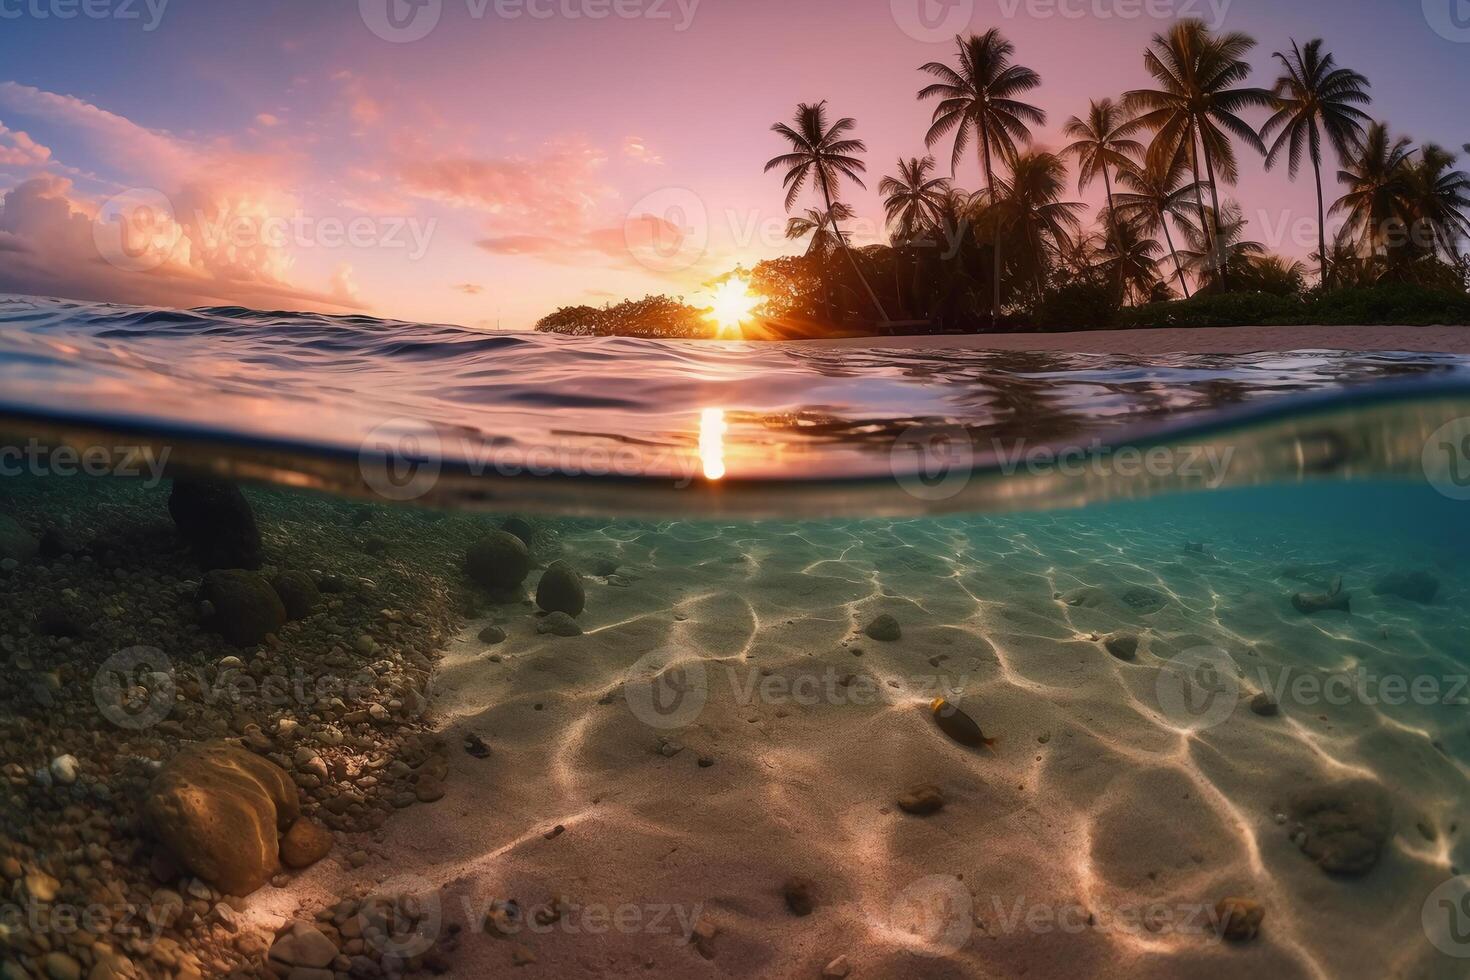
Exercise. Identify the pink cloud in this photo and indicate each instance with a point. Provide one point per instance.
(556, 192)
(17, 149)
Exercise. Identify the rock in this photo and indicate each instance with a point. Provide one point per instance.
(16, 543)
(1238, 919)
(837, 969)
(922, 800)
(217, 523)
(1124, 646)
(62, 617)
(64, 769)
(1310, 604)
(41, 886)
(306, 843)
(884, 629)
(601, 565)
(1265, 705)
(1144, 601)
(492, 635)
(499, 561)
(520, 527)
(244, 609)
(299, 593)
(560, 590)
(1343, 826)
(798, 895)
(1418, 587)
(57, 542)
(218, 810)
(303, 945)
(559, 624)
(60, 966)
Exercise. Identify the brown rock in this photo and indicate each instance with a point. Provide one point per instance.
(1238, 919)
(1344, 826)
(922, 800)
(306, 843)
(798, 895)
(218, 809)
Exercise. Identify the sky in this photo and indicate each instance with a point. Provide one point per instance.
(484, 162)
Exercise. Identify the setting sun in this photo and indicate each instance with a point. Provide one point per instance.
(733, 304)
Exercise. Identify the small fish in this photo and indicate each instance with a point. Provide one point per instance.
(958, 725)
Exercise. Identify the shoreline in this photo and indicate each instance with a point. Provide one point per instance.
(1193, 340)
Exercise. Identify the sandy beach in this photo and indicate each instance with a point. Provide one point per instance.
(1199, 340)
(1097, 836)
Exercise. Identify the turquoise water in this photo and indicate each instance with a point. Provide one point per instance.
(548, 629)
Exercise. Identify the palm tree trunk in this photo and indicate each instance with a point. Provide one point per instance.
(1321, 224)
(1199, 196)
(1112, 214)
(995, 244)
(1178, 266)
(1217, 252)
(842, 241)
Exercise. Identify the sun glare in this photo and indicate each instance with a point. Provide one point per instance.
(712, 430)
(733, 304)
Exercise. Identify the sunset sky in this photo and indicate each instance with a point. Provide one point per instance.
(526, 154)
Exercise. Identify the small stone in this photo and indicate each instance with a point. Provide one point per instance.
(60, 966)
(884, 628)
(41, 886)
(521, 955)
(922, 800)
(365, 645)
(1239, 919)
(798, 895)
(1344, 826)
(492, 635)
(837, 969)
(64, 769)
(306, 843)
(303, 946)
(555, 832)
(299, 593)
(1265, 705)
(499, 561)
(703, 938)
(559, 624)
(476, 747)
(561, 590)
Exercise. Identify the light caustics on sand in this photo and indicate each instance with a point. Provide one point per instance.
(712, 429)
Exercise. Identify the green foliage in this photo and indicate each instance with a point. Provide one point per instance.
(1081, 305)
(652, 316)
(1394, 304)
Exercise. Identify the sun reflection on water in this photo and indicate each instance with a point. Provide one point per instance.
(712, 429)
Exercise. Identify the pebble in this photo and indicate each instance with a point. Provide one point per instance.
(558, 624)
(798, 895)
(884, 629)
(492, 635)
(837, 969)
(922, 800)
(64, 769)
(1265, 705)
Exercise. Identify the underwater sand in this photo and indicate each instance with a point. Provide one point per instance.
(1095, 801)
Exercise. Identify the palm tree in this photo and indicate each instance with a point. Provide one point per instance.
(1159, 188)
(1029, 205)
(978, 100)
(912, 199)
(1315, 97)
(815, 222)
(1377, 175)
(1130, 258)
(1101, 145)
(1439, 198)
(1214, 262)
(1196, 108)
(823, 155)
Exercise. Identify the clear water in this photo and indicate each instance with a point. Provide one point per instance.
(724, 722)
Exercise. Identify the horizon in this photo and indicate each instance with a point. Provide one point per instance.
(507, 164)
